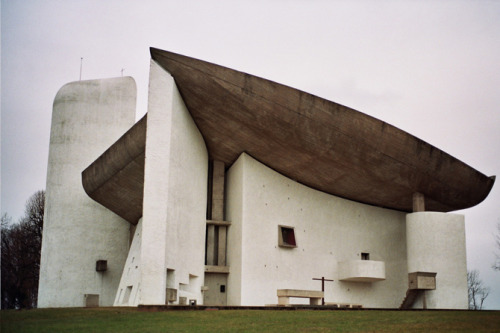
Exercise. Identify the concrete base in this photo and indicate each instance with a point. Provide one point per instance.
(271, 307)
(313, 295)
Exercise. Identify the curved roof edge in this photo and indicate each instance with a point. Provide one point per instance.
(116, 178)
(319, 143)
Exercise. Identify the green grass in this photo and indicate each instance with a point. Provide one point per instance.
(133, 320)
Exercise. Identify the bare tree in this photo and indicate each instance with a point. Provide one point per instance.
(8, 263)
(496, 265)
(21, 245)
(477, 292)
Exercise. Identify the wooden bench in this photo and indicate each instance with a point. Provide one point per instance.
(313, 295)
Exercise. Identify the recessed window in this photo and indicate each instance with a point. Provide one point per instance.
(222, 288)
(126, 297)
(101, 265)
(286, 236)
(365, 256)
(91, 300)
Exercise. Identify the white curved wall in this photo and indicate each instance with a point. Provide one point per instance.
(175, 196)
(87, 117)
(436, 243)
(328, 230)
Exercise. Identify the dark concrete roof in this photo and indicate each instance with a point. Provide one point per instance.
(116, 178)
(319, 143)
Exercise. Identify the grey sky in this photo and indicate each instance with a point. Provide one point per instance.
(429, 68)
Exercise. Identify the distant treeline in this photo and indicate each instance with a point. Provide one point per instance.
(21, 245)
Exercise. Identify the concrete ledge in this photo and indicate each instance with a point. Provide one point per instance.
(217, 269)
(294, 307)
(223, 223)
(361, 271)
(273, 307)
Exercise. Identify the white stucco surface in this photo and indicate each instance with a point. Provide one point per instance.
(436, 243)
(361, 270)
(88, 116)
(168, 248)
(328, 230)
(175, 196)
(131, 276)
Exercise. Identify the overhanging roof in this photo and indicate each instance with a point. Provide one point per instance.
(319, 143)
(116, 178)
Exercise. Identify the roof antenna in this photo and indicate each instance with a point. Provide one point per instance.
(122, 71)
(81, 63)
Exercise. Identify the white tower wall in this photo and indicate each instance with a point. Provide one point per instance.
(436, 243)
(88, 116)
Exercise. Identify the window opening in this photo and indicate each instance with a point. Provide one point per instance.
(286, 236)
(365, 256)
(91, 300)
(126, 297)
(170, 278)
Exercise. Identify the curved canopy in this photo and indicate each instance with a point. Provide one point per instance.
(319, 143)
(316, 142)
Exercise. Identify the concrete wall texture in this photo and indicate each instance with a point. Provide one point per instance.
(130, 283)
(436, 243)
(88, 116)
(175, 195)
(333, 236)
(328, 230)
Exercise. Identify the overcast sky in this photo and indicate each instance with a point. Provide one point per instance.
(431, 68)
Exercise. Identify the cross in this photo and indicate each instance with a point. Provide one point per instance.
(322, 287)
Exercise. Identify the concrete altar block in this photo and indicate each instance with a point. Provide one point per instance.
(313, 295)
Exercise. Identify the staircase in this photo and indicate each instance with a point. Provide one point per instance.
(411, 296)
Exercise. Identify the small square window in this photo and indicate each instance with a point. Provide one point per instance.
(286, 236)
(365, 256)
(101, 265)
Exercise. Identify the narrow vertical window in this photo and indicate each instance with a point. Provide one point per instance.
(126, 297)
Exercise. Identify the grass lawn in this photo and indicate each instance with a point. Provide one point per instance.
(133, 320)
